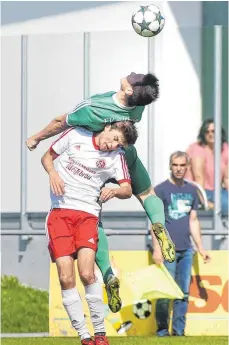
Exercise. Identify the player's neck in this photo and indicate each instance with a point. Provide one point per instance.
(120, 96)
(177, 182)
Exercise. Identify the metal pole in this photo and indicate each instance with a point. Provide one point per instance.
(150, 157)
(23, 205)
(217, 122)
(86, 65)
(151, 58)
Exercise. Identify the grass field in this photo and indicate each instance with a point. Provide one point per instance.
(18, 300)
(123, 341)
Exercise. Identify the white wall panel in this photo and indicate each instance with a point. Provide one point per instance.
(10, 123)
(55, 86)
(114, 55)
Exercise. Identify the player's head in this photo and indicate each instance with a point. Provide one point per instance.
(140, 89)
(179, 162)
(117, 134)
(206, 134)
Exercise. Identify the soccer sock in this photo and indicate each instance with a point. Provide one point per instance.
(154, 208)
(74, 308)
(102, 256)
(94, 297)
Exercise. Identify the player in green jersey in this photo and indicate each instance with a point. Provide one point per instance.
(137, 90)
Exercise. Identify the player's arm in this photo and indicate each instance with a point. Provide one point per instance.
(196, 235)
(56, 183)
(57, 148)
(123, 192)
(83, 115)
(121, 174)
(56, 126)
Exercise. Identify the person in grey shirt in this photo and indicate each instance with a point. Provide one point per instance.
(181, 203)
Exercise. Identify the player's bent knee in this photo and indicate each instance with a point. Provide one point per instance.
(67, 281)
(87, 276)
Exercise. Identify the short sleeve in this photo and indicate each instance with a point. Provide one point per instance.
(85, 115)
(80, 115)
(62, 143)
(121, 172)
(196, 150)
(159, 191)
(195, 204)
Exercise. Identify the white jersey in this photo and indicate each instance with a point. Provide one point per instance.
(84, 170)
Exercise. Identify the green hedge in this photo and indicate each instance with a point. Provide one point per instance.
(24, 309)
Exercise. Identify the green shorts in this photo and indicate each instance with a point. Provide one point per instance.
(140, 180)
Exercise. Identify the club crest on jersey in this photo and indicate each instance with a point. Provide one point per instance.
(101, 163)
(77, 147)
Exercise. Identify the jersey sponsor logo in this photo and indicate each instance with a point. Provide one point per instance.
(116, 119)
(91, 240)
(73, 163)
(101, 163)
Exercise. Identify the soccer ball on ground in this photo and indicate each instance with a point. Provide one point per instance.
(142, 309)
(148, 21)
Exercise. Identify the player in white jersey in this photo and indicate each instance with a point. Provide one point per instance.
(86, 161)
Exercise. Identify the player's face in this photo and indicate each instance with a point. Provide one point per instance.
(178, 167)
(210, 134)
(110, 140)
(126, 87)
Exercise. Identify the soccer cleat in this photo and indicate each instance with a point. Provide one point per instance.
(112, 288)
(87, 341)
(101, 340)
(165, 242)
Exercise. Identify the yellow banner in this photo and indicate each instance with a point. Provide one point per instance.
(208, 301)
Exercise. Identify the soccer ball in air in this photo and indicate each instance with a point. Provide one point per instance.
(148, 21)
(142, 309)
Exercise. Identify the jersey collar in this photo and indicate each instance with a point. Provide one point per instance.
(119, 104)
(93, 142)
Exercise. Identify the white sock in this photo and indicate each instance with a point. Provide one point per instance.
(74, 308)
(94, 297)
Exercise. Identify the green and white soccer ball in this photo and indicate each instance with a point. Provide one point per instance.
(148, 21)
(142, 309)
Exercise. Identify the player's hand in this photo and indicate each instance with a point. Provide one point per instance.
(106, 194)
(32, 143)
(206, 257)
(56, 183)
(157, 256)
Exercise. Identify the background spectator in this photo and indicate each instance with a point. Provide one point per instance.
(201, 169)
(181, 203)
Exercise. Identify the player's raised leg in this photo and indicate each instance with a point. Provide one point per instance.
(111, 282)
(153, 206)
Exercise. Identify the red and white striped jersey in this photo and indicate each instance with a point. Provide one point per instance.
(84, 170)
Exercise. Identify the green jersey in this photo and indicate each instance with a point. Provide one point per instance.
(99, 110)
(102, 109)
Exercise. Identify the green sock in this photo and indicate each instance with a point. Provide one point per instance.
(154, 208)
(102, 256)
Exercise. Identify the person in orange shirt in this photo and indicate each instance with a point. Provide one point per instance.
(201, 170)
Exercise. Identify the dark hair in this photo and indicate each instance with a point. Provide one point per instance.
(145, 91)
(128, 130)
(203, 129)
